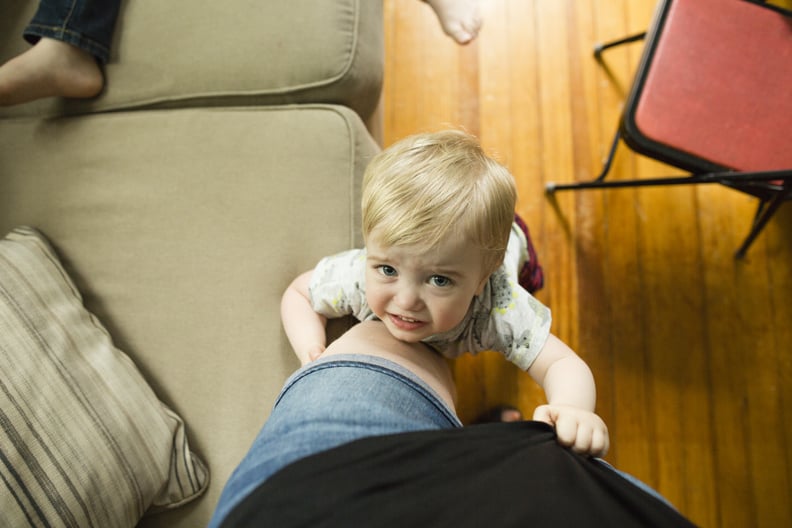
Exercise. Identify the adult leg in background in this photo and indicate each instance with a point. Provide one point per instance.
(71, 42)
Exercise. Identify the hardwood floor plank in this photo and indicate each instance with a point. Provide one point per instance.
(632, 423)
(594, 346)
(779, 243)
(676, 352)
(756, 353)
(556, 122)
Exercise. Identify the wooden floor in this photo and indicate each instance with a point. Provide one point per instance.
(691, 349)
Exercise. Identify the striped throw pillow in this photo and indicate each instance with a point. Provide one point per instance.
(84, 441)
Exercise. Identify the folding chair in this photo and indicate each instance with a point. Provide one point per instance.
(712, 96)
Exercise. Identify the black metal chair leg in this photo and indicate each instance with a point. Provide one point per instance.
(763, 214)
(599, 48)
(551, 187)
(606, 167)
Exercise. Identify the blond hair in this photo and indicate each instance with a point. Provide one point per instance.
(430, 186)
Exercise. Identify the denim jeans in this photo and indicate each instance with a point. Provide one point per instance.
(86, 24)
(334, 401)
(331, 402)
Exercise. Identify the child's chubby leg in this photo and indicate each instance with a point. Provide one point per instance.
(50, 68)
(373, 339)
(460, 19)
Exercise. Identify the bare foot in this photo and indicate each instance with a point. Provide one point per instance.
(461, 19)
(50, 68)
(511, 415)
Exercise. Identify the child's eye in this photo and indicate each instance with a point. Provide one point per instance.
(388, 271)
(440, 281)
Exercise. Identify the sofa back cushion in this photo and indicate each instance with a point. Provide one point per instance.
(236, 52)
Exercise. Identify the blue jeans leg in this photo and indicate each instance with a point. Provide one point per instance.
(331, 402)
(86, 24)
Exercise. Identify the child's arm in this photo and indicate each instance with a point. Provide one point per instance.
(304, 327)
(571, 396)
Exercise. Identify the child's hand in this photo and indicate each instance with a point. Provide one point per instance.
(582, 431)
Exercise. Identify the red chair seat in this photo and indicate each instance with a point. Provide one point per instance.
(692, 99)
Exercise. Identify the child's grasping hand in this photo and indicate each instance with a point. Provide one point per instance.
(582, 431)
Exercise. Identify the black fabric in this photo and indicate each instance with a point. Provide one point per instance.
(495, 475)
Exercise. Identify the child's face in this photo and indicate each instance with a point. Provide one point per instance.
(418, 292)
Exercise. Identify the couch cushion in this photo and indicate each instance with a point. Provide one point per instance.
(209, 53)
(182, 228)
(85, 440)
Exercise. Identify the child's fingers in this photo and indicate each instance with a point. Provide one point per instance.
(585, 434)
(600, 442)
(568, 433)
(590, 439)
(565, 426)
(542, 414)
(583, 439)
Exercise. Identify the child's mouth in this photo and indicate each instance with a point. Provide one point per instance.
(405, 323)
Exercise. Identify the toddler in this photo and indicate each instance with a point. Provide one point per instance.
(441, 266)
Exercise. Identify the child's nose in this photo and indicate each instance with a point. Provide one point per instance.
(408, 298)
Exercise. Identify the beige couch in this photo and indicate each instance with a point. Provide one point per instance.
(224, 157)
